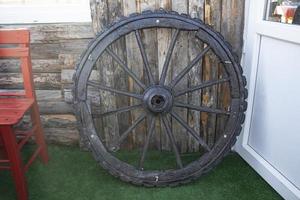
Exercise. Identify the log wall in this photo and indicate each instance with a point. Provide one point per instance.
(55, 48)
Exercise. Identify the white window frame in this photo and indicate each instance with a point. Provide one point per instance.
(29, 13)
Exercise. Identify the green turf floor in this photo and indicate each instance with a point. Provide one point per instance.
(74, 175)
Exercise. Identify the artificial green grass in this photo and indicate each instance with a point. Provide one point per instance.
(73, 174)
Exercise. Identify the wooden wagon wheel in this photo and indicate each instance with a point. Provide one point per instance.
(159, 99)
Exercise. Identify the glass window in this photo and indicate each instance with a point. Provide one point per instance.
(283, 11)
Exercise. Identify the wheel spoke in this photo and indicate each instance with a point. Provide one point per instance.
(168, 57)
(144, 56)
(190, 130)
(118, 110)
(125, 67)
(172, 139)
(112, 90)
(147, 141)
(201, 108)
(189, 67)
(201, 86)
(130, 129)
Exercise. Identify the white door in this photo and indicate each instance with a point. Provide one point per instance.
(270, 141)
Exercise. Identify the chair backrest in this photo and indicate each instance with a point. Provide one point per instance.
(15, 43)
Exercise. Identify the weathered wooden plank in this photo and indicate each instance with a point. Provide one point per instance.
(53, 50)
(213, 10)
(232, 24)
(178, 63)
(149, 39)
(223, 103)
(55, 107)
(42, 95)
(48, 33)
(64, 136)
(120, 76)
(59, 121)
(134, 61)
(68, 61)
(164, 38)
(67, 75)
(45, 51)
(93, 96)
(102, 14)
(68, 95)
(48, 95)
(38, 66)
(196, 9)
(98, 12)
(232, 30)
(209, 99)
(51, 121)
(210, 72)
(41, 81)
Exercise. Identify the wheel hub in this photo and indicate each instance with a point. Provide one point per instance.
(158, 99)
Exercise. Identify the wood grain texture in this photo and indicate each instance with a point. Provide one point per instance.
(164, 36)
(93, 96)
(42, 95)
(196, 10)
(41, 80)
(232, 24)
(67, 75)
(178, 63)
(107, 126)
(65, 136)
(50, 33)
(55, 48)
(55, 107)
(135, 63)
(210, 72)
(38, 66)
(68, 60)
(120, 76)
(150, 43)
(52, 121)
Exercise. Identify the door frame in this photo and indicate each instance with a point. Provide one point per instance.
(255, 28)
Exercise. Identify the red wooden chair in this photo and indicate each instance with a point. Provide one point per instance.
(13, 105)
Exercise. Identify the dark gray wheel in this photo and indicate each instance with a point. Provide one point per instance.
(158, 99)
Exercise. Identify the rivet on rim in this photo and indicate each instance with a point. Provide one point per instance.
(90, 57)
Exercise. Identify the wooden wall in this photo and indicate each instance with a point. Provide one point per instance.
(55, 49)
(225, 16)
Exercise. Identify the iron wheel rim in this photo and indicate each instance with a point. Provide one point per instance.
(125, 171)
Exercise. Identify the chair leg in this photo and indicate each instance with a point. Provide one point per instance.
(39, 133)
(10, 144)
